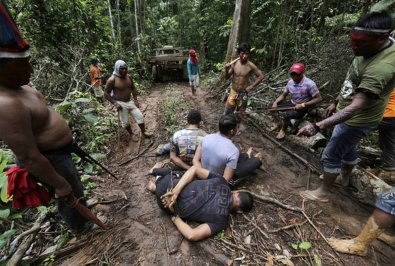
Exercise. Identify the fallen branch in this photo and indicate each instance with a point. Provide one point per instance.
(135, 157)
(255, 225)
(291, 225)
(219, 257)
(309, 165)
(26, 244)
(274, 201)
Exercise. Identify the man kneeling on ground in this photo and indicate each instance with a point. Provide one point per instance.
(207, 200)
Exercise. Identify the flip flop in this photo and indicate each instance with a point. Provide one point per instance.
(309, 196)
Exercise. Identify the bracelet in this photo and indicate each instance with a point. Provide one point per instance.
(303, 105)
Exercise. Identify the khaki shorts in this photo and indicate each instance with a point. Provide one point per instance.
(98, 91)
(129, 108)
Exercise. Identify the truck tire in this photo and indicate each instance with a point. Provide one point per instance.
(157, 73)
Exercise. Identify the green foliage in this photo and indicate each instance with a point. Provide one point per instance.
(221, 234)
(303, 245)
(5, 236)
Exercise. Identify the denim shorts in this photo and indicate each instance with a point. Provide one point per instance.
(386, 202)
(342, 147)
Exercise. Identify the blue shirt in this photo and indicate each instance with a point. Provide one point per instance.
(192, 68)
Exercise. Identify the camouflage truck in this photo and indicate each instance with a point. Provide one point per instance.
(169, 63)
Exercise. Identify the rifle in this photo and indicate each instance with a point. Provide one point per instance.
(275, 109)
(85, 156)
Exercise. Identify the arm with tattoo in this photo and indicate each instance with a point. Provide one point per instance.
(357, 105)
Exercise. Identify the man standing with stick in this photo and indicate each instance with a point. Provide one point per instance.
(241, 70)
(38, 136)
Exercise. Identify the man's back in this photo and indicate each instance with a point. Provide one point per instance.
(24, 110)
(185, 143)
(218, 152)
(205, 201)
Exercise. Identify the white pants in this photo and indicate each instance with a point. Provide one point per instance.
(129, 108)
(194, 80)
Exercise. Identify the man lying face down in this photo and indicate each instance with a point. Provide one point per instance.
(199, 196)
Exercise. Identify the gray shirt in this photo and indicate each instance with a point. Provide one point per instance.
(218, 152)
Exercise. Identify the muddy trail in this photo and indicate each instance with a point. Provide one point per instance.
(141, 234)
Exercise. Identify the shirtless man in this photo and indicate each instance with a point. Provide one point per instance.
(38, 136)
(119, 88)
(241, 71)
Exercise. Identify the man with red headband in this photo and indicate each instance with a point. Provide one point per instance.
(361, 102)
(193, 71)
(304, 96)
(241, 70)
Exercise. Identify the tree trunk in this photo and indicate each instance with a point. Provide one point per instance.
(112, 24)
(136, 6)
(119, 37)
(241, 28)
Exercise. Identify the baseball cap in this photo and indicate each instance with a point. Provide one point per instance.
(297, 68)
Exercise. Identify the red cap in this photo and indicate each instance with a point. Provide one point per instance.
(192, 52)
(297, 68)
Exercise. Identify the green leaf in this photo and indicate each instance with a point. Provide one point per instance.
(5, 236)
(63, 107)
(88, 168)
(16, 216)
(3, 192)
(4, 213)
(41, 208)
(294, 246)
(90, 118)
(305, 245)
(63, 240)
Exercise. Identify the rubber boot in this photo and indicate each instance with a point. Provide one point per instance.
(193, 90)
(358, 245)
(145, 134)
(345, 175)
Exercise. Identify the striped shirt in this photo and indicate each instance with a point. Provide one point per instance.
(303, 91)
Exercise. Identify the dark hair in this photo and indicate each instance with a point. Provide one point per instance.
(94, 60)
(194, 117)
(246, 201)
(227, 123)
(375, 20)
(244, 47)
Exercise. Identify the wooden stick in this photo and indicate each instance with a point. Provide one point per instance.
(310, 166)
(238, 58)
(273, 200)
(26, 244)
(138, 155)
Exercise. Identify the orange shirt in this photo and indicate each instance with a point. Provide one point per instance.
(390, 109)
(95, 74)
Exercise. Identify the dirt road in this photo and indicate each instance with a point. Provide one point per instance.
(141, 234)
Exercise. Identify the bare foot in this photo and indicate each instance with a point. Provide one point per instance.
(249, 152)
(258, 156)
(313, 195)
(275, 126)
(157, 165)
(151, 186)
(281, 135)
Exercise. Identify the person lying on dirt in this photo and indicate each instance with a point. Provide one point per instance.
(217, 153)
(119, 89)
(241, 71)
(184, 142)
(207, 200)
(383, 217)
(361, 102)
(38, 136)
(304, 96)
